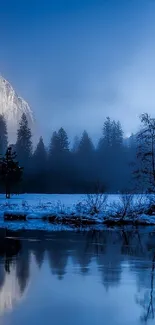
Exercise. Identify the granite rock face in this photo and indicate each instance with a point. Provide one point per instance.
(12, 107)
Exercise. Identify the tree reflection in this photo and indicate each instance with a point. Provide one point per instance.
(9, 248)
(38, 250)
(23, 270)
(108, 250)
(58, 254)
(58, 262)
(2, 275)
(131, 242)
(148, 301)
(9, 289)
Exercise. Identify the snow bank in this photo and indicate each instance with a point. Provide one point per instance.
(53, 212)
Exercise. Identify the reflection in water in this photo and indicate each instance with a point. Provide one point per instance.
(10, 292)
(112, 253)
(148, 300)
(9, 286)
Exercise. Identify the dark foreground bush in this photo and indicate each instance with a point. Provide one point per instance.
(127, 222)
(151, 210)
(14, 217)
(71, 221)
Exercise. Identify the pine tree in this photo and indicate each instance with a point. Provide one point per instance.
(39, 167)
(117, 170)
(10, 171)
(24, 141)
(63, 140)
(54, 145)
(76, 142)
(85, 163)
(107, 133)
(116, 135)
(86, 146)
(110, 152)
(58, 161)
(105, 142)
(145, 171)
(40, 156)
(3, 135)
(59, 143)
(58, 148)
(104, 148)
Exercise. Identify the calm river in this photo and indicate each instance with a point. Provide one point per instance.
(85, 278)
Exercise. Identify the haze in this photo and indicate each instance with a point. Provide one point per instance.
(76, 62)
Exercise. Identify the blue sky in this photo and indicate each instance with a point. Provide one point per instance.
(76, 62)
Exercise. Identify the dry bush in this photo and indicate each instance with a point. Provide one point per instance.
(150, 206)
(124, 207)
(141, 203)
(93, 203)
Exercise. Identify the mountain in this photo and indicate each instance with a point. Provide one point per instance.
(12, 107)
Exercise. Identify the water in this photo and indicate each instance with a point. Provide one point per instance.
(68, 278)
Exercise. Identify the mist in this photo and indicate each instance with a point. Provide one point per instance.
(75, 64)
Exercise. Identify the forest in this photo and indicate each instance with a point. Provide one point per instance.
(114, 165)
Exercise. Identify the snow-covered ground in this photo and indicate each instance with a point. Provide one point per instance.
(42, 199)
(36, 207)
(40, 205)
(36, 200)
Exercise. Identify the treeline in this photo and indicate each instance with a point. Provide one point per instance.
(80, 168)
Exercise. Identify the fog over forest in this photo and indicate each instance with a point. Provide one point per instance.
(87, 70)
(114, 165)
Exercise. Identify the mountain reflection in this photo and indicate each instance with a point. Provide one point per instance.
(9, 286)
(109, 250)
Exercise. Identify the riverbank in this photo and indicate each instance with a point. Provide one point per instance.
(41, 211)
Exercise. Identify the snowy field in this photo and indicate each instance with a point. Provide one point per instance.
(35, 200)
(38, 208)
(38, 205)
(41, 200)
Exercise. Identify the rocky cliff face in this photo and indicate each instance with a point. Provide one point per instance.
(12, 107)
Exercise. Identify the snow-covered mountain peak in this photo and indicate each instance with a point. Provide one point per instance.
(12, 107)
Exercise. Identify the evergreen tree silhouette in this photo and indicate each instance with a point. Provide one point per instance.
(10, 171)
(24, 142)
(39, 167)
